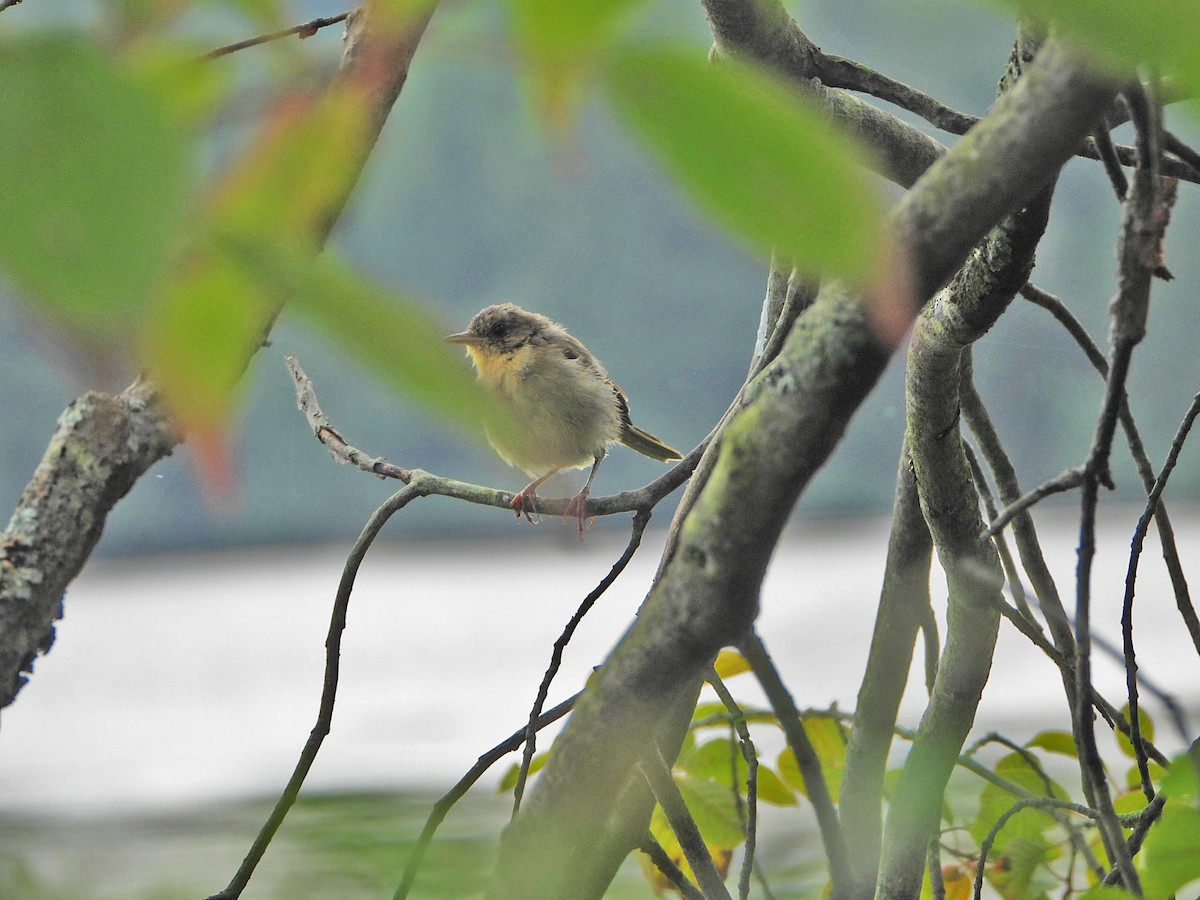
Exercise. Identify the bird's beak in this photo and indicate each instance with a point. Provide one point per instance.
(464, 337)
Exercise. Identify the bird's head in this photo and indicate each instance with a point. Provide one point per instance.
(501, 330)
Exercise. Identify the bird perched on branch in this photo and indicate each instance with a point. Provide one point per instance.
(565, 409)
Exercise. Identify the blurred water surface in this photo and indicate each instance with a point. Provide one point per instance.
(191, 682)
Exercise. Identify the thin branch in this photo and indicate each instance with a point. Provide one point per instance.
(737, 720)
(1065, 481)
(644, 498)
(1139, 252)
(305, 30)
(1139, 538)
(451, 797)
(663, 862)
(1102, 140)
(640, 520)
(657, 773)
(333, 644)
(1042, 803)
(1162, 520)
(806, 756)
(1182, 150)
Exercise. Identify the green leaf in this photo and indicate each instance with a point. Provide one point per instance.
(509, 779)
(392, 335)
(1181, 780)
(714, 760)
(94, 183)
(828, 740)
(1028, 824)
(771, 789)
(714, 810)
(1055, 742)
(1105, 892)
(761, 161)
(1171, 854)
(1145, 723)
(1123, 35)
(560, 44)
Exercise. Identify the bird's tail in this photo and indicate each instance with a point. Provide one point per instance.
(643, 442)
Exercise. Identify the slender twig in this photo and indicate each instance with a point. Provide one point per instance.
(443, 806)
(1147, 818)
(937, 884)
(333, 645)
(1042, 803)
(1162, 521)
(305, 30)
(737, 721)
(1065, 481)
(1112, 165)
(806, 756)
(1015, 587)
(1182, 150)
(643, 498)
(640, 520)
(1138, 251)
(1139, 538)
(663, 862)
(657, 772)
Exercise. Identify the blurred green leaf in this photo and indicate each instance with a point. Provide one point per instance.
(716, 709)
(714, 810)
(1181, 779)
(760, 160)
(1055, 742)
(713, 760)
(1145, 723)
(284, 191)
(389, 334)
(771, 789)
(94, 183)
(189, 88)
(1171, 854)
(1105, 892)
(829, 742)
(1123, 35)
(509, 781)
(560, 44)
(1028, 824)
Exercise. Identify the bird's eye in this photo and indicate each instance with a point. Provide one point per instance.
(499, 329)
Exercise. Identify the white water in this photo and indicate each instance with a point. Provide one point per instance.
(195, 679)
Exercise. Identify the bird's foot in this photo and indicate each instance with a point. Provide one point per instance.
(525, 504)
(577, 507)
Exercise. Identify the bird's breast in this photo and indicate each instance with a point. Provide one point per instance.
(566, 415)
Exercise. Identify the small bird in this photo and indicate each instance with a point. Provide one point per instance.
(565, 408)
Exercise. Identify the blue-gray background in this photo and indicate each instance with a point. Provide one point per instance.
(464, 204)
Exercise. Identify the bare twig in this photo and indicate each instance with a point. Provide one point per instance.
(1042, 803)
(305, 30)
(447, 801)
(657, 773)
(1162, 520)
(333, 643)
(806, 756)
(663, 862)
(640, 520)
(1139, 538)
(1102, 139)
(737, 720)
(643, 498)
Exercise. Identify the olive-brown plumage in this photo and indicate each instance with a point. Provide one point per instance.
(567, 409)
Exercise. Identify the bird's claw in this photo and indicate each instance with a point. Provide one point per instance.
(525, 504)
(577, 507)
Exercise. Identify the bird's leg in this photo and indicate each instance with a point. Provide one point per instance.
(578, 505)
(525, 503)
